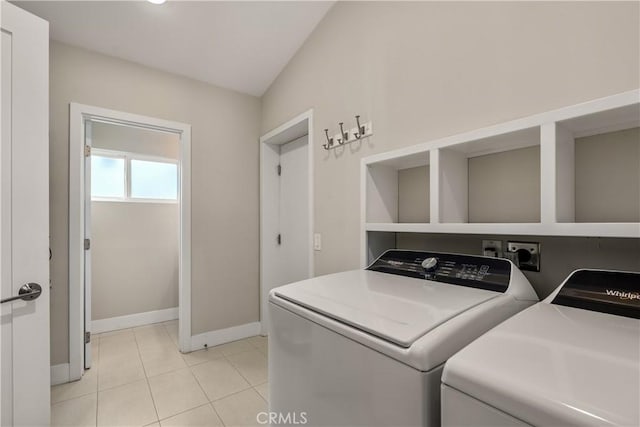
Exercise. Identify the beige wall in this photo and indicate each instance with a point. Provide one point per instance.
(423, 70)
(134, 258)
(413, 194)
(225, 130)
(505, 187)
(135, 140)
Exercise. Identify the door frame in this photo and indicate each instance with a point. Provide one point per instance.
(267, 166)
(78, 115)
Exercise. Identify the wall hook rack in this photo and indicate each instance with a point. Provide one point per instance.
(362, 130)
(329, 143)
(344, 136)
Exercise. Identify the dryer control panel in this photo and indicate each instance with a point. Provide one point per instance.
(613, 292)
(492, 274)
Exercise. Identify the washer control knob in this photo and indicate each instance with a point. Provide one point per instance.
(430, 264)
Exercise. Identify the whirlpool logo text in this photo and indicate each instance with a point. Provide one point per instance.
(623, 295)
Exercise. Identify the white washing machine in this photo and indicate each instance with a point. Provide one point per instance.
(367, 347)
(571, 360)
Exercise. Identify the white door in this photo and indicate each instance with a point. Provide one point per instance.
(294, 211)
(24, 218)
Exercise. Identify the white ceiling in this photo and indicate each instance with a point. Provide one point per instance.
(238, 45)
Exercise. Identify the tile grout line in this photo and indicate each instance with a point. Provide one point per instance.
(259, 394)
(170, 337)
(234, 367)
(231, 394)
(184, 412)
(257, 385)
(146, 377)
(215, 411)
(210, 402)
(126, 383)
(237, 370)
(259, 350)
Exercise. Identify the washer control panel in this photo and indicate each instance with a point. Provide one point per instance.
(606, 291)
(493, 274)
(430, 264)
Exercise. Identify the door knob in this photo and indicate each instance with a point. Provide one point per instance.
(27, 292)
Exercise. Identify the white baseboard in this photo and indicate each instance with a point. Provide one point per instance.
(60, 374)
(133, 320)
(222, 336)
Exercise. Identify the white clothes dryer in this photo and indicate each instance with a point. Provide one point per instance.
(570, 360)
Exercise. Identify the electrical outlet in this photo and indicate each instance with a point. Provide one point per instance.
(317, 242)
(492, 248)
(525, 255)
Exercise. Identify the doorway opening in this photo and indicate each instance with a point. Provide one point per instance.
(141, 175)
(286, 207)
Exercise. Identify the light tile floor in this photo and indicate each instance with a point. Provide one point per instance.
(139, 378)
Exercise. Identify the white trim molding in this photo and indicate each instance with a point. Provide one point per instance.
(222, 336)
(265, 168)
(133, 320)
(60, 374)
(78, 115)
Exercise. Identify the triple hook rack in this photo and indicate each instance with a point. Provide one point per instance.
(345, 137)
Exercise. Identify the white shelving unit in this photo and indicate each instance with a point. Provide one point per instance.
(540, 202)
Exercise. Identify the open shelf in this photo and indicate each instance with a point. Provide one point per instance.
(598, 159)
(398, 189)
(464, 228)
(491, 180)
(625, 230)
(574, 171)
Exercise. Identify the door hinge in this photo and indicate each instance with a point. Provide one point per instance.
(87, 244)
(279, 239)
(279, 170)
(87, 337)
(87, 150)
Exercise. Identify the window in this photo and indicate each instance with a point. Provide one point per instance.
(154, 180)
(107, 177)
(117, 176)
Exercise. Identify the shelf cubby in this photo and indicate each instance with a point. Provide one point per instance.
(398, 190)
(598, 162)
(491, 180)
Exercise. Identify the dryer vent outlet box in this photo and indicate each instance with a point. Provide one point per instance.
(526, 255)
